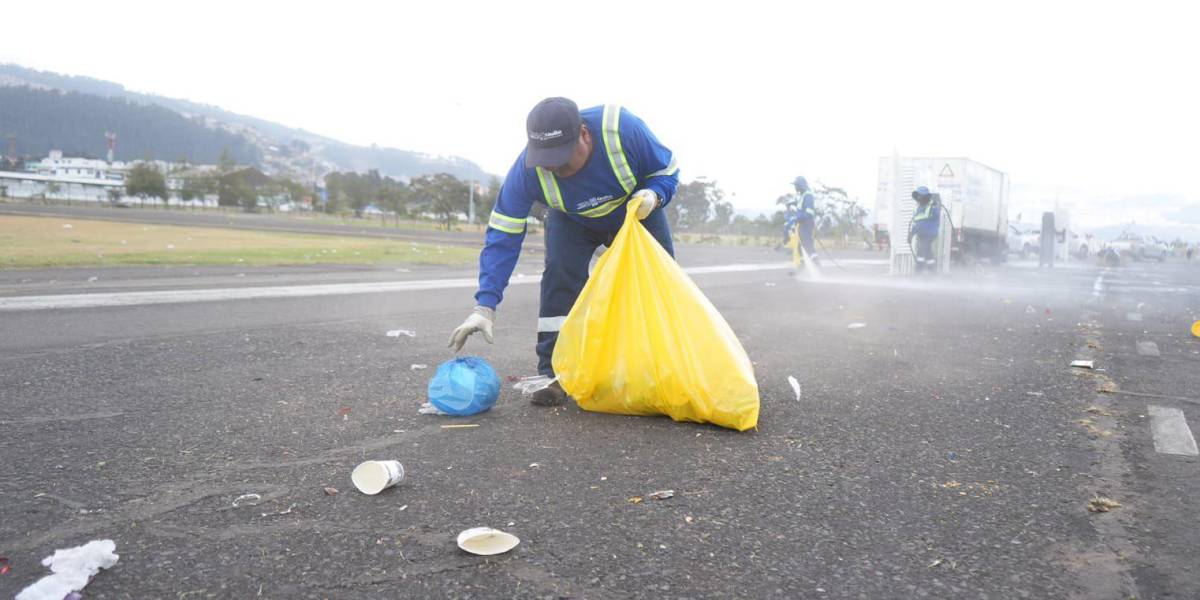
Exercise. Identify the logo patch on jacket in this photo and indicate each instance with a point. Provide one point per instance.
(594, 202)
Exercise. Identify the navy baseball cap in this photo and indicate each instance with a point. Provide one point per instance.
(552, 126)
(801, 183)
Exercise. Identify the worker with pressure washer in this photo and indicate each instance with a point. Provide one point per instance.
(586, 165)
(805, 219)
(926, 221)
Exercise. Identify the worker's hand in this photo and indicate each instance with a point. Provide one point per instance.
(647, 202)
(480, 319)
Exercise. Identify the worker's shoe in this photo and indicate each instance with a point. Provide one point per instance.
(551, 395)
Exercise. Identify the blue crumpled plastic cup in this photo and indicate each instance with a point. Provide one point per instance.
(464, 386)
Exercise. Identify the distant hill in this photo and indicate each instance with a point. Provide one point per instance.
(264, 138)
(40, 120)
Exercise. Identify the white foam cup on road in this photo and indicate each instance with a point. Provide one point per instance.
(374, 476)
(486, 541)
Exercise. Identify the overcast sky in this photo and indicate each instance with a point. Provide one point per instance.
(1090, 103)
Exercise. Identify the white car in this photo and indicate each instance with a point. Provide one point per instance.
(1023, 239)
(1154, 248)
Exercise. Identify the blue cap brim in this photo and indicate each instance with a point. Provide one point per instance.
(549, 158)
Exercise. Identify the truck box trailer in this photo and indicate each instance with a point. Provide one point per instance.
(975, 197)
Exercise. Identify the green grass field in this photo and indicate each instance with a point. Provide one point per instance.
(33, 242)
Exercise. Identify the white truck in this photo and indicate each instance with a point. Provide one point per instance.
(974, 195)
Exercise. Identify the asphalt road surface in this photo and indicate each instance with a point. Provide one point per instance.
(945, 450)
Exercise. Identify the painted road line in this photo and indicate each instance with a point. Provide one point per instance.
(1171, 432)
(60, 301)
(1147, 349)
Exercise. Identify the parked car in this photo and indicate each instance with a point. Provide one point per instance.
(1023, 239)
(1155, 248)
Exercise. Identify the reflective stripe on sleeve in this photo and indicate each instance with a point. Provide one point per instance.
(506, 223)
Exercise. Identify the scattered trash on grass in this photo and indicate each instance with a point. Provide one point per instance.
(662, 494)
(247, 500)
(399, 332)
(795, 386)
(67, 226)
(429, 408)
(856, 326)
(1100, 504)
(463, 426)
(485, 541)
(170, 246)
(331, 491)
(1084, 364)
(71, 569)
(374, 476)
(417, 367)
(529, 385)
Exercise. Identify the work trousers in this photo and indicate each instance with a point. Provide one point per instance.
(569, 250)
(924, 257)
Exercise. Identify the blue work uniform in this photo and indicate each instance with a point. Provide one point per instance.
(586, 211)
(806, 217)
(926, 222)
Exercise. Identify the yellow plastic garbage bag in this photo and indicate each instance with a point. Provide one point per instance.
(643, 340)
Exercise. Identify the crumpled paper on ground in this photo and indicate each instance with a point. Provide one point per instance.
(71, 569)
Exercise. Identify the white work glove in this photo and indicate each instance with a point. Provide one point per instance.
(648, 201)
(480, 319)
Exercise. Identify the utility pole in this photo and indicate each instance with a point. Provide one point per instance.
(471, 201)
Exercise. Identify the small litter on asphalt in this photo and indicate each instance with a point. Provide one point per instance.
(401, 509)
(280, 513)
(662, 494)
(429, 409)
(1098, 410)
(795, 386)
(770, 284)
(246, 500)
(71, 569)
(485, 541)
(856, 326)
(1147, 349)
(1038, 394)
(4, 568)
(1100, 504)
(635, 499)
(344, 412)
(417, 367)
(529, 385)
(399, 332)
(331, 491)
(465, 426)
(1029, 309)
(374, 476)
(534, 465)
(93, 279)
(1196, 329)
(1133, 316)
(1084, 364)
